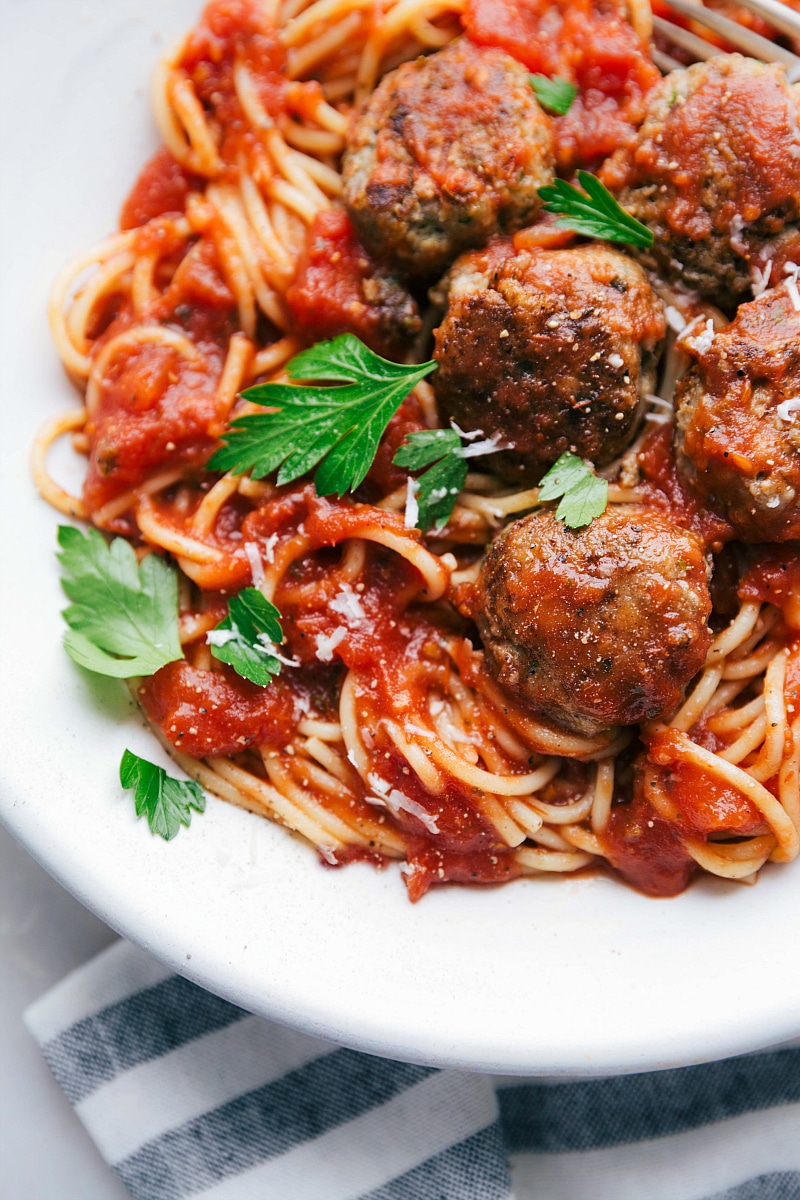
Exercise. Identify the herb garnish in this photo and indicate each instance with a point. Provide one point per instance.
(556, 94)
(247, 637)
(437, 488)
(585, 495)
(124, 617)
(338, 428)
(593, 212)
(166, 802)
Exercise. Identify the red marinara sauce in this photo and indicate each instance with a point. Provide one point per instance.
(162, 187)
(231, 32)
(656, 459)
(645, 849)
(591, 45)
(339, 289)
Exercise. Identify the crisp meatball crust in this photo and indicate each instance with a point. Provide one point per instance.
(715, 172)
(446, 151)
(548, 351)
(599, 626)
(738, 423)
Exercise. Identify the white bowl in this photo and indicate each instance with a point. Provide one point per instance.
(567, 976)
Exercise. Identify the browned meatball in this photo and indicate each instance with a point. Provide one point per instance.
(548, 351)
(599, 626)
(738, 407)
(715, 172)
(447, 150)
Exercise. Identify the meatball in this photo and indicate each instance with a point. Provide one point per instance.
(715, 172)
(738, 418)
(548, 351)
(599, 626)
(447, 150)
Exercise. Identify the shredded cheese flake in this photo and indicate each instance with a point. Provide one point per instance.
(397, 802)
(220, 637)
(675, 318)
(792, 271)
(256, 566)
(787, 408)
(347, 604)
(327, 643)
(761, 277)
(412, 507)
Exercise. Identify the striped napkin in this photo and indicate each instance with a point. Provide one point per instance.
(186, 1095)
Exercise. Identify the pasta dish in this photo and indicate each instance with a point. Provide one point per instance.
(515, 498)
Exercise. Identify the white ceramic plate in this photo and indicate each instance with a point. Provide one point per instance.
(563, 976)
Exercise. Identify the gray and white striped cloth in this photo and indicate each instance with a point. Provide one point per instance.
(186, 1095)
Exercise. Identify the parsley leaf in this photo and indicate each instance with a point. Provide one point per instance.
(166, 802)
(124, 617)
(335, 429)
(246, 637)
(585, 495)
(438, 487)
(593, 212)
(556, 94)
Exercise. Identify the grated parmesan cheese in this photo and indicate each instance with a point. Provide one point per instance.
(675, 318)
(761, 276)
(412, 507)
(418, 730)
(793, 270)
(489, 445)
(327, 643)
(703, 342)
(787, 408)
(737, 241)
(220, 637)
(347, 604)
(265, 646)
(269, 547)
(397, 802)
(256, 566)
(467, 437)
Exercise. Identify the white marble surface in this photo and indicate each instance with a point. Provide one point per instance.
(45, 1153)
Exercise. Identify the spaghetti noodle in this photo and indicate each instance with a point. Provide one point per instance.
(386, 737)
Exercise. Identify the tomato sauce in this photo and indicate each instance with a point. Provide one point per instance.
(598, 51)
(162, 187)
(232, 31)
(707, 805)
(209, 713)
(659, 469)
(338, 289)
(775, 578)
(647, 851)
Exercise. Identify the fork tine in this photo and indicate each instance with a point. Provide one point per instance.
(665, 62)
(697, 46)
(744, 39)
(780, 16)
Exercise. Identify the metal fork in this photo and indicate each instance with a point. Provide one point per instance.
(784, 19)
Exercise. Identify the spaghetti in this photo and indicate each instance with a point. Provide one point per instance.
(386, 736)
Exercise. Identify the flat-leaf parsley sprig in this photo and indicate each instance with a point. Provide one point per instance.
(335, 429)
(166, 802)
(593, 212)
(556, 94)
(442, 451)
(123, 620)
(247, 637)
(436, 489)
(584, 494)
